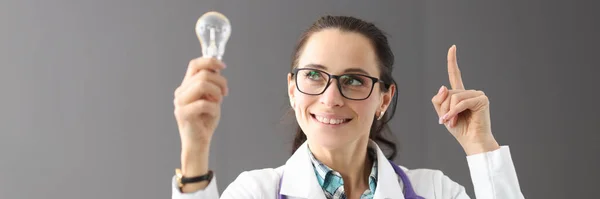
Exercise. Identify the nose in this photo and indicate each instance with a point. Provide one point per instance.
(332, 96)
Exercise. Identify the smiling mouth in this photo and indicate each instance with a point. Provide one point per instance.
(330, 121)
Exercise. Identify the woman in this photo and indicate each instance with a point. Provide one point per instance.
(343, 95)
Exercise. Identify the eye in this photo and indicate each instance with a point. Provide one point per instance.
(313, 75)
(352, 80)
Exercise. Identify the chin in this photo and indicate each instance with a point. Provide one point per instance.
(330, 139)
(331, 136)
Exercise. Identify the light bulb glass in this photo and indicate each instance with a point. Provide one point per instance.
(213, 30)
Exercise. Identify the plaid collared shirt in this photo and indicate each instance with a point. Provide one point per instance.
(332, 183)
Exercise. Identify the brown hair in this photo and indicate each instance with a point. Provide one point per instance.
(386, 61)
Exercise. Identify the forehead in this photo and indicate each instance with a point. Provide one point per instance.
(338, 51)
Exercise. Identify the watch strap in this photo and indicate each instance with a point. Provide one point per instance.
(182, 180)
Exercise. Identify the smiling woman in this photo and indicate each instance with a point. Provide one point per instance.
(343, 95)
(359, 48)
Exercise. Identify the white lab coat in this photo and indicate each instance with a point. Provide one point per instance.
(493, 176)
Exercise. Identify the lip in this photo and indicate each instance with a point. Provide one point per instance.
(331, 116)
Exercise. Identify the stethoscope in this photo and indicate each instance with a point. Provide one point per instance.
(409, 192)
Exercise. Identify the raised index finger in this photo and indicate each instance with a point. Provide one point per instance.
(453, 71)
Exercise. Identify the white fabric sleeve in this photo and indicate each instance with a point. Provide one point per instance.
(493, 175)
(210, 192)
(244, 186)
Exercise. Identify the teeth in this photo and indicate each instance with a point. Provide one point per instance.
(329, 120)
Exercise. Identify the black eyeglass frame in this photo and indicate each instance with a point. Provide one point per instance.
(337, 78)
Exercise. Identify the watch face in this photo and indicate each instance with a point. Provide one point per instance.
(178, 173)
(178, 177)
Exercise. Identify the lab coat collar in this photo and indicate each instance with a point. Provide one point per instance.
(388, 185)
(299, 179)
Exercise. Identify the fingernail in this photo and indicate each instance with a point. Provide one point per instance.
(441, 89)
(441, 120)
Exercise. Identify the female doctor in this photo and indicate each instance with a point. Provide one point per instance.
(343, 94)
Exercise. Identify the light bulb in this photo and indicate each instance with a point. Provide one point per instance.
(213, 30)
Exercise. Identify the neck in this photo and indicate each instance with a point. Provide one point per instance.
(350, 161)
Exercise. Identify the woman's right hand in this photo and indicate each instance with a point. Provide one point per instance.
(197, 111)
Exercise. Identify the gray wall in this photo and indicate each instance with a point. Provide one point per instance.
(87, 89)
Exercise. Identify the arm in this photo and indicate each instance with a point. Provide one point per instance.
(493, 176)
(466, 115)
(194, 162)
(197, 112)
(245, 186)
(209, 192)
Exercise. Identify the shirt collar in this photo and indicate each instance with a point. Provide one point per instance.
(325, 174)
(299, 177)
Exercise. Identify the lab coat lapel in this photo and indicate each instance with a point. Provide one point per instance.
(299, 178)
(388, 185)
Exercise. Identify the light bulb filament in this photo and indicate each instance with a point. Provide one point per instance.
(213, 30)
(212, 44)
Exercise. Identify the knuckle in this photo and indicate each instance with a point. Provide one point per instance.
(176, 92)
(198, 84)
(445, 105)
(435, 100)
(199, 105)
(202, 75)
(193, 109)
(192, 62)
(224, 81)
(176, 113)
(205, 73)
(454, 98)
(186, 114)
(179, 113)
(176, 100)
(213, 61)
(204, 106)
(486, 99)
(462, 103)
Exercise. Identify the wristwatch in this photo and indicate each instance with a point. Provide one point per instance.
(181, 180)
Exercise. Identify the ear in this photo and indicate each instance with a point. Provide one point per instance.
(291, 89)
(387, 97)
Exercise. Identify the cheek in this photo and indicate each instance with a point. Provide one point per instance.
(366, 109)
(302, 103)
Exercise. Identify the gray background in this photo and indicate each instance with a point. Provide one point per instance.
(87, 89)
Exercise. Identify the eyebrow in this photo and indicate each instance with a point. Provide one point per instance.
(348, 70)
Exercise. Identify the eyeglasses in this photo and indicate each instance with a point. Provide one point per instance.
(352, 86)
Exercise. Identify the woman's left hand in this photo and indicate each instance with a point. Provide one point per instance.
(465, 113)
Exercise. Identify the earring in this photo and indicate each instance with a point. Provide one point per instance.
(380, 115)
